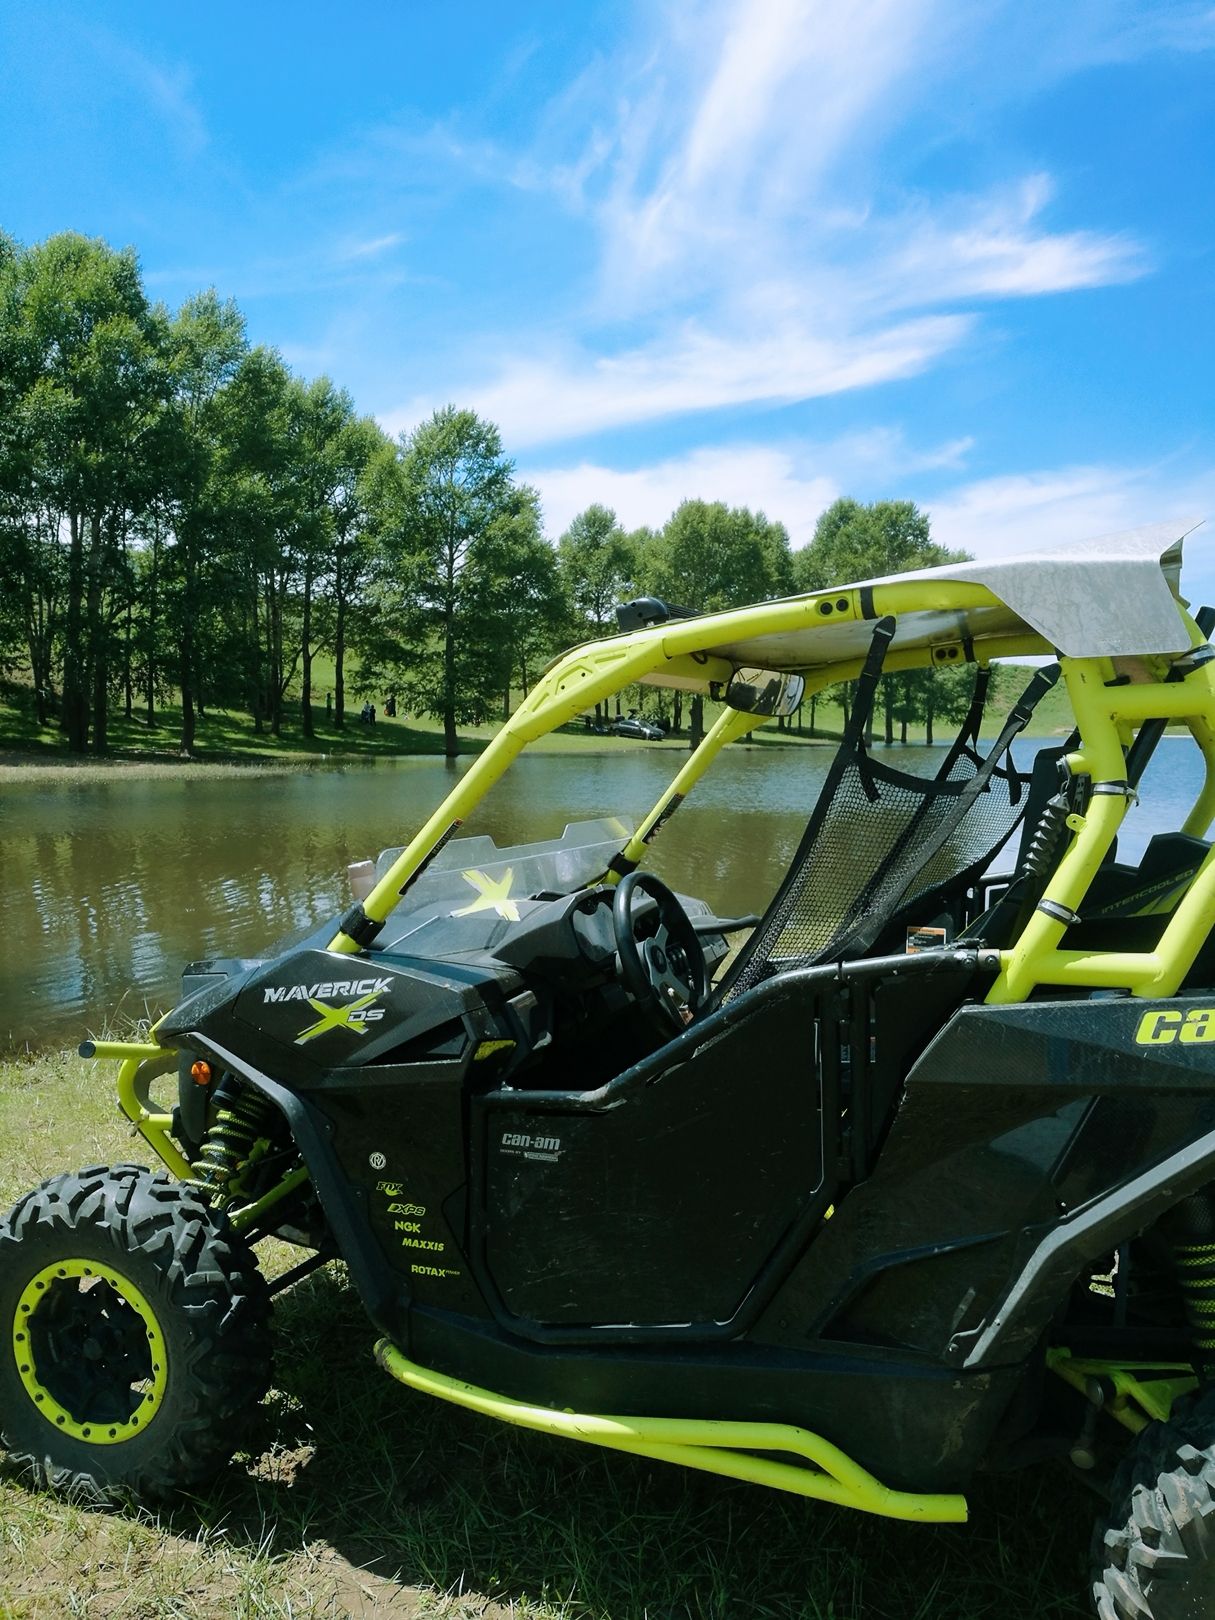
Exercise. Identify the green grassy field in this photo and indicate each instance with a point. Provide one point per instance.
(359, 1498)
(228, 737)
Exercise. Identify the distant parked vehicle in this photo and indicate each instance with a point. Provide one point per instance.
(630, 726)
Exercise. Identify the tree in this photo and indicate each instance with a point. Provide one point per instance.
(366, 494)
(320, 418)
(515, 600)
(598, 568)
(710, 557)
(456, 486)
(32, 575)
(14, 480)
(264, 518)
(207, 346)
(85, 349)
(853, 542)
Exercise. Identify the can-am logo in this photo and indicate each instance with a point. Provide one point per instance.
(318, 992)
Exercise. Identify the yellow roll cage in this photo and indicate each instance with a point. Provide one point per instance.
(1111, 697)
(942, 620)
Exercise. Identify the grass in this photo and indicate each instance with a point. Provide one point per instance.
(228, 737)
(225, 735)
(359, 1498)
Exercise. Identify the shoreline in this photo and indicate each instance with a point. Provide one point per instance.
(16, 765)
(28, 765)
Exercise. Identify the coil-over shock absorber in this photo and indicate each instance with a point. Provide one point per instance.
(1039, 858)
(1190, 1229)
(240, 1118)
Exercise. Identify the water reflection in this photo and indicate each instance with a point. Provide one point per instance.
(109, 887)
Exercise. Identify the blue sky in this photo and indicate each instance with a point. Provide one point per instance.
(766, 251)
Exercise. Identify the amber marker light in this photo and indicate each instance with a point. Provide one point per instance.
(201, 1073)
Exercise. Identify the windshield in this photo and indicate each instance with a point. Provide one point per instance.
(467, 869)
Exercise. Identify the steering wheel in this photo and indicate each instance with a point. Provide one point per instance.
(666, 969)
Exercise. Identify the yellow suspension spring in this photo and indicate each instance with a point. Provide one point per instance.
(238, 1122)
(1195, 1264)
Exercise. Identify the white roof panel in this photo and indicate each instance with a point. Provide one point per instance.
(1112, 596)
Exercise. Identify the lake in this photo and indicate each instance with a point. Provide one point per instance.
(110, 886)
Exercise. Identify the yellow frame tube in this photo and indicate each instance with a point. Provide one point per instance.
(1197, 824)
(596, 671)
(1101, 757)
(729, 724)
(1078, 1372)
(141, 1062)
(1106, 716)
(1145, 973)
(1202, 729)
(713, 1447)
(248, 1213)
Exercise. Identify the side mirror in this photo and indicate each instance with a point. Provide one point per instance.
(764, 691)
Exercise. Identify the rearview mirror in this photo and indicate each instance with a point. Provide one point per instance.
(764, 691)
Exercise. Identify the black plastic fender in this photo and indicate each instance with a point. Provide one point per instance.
(382, 1292)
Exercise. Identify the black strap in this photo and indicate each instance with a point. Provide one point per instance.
(849, 754)
(1022, 710)
(861, 937)
(861, 712)
(967, 738)
(358, 926)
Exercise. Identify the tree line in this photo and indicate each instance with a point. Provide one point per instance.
(186, 522)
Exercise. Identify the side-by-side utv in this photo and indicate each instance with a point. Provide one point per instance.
(911, 1176)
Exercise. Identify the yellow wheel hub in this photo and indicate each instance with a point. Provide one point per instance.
(122, 1321)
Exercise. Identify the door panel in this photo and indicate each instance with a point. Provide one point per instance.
(659, 1199)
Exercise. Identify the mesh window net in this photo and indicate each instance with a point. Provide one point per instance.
(881, 841)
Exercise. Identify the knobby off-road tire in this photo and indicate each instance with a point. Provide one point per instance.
(134, 1335)
(1156, 1561)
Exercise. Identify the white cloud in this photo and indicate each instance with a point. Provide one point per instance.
(747, 233)
(763, 160)
(1047, 508)
(993, 247)
(169, 90)
(763, 479)
(790, 482)
(756, 112)
(537, 401)
(371, 248)
(989, 517)
(883, 453)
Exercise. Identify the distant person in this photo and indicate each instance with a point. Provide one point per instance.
(371, 706)
(390, 706)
